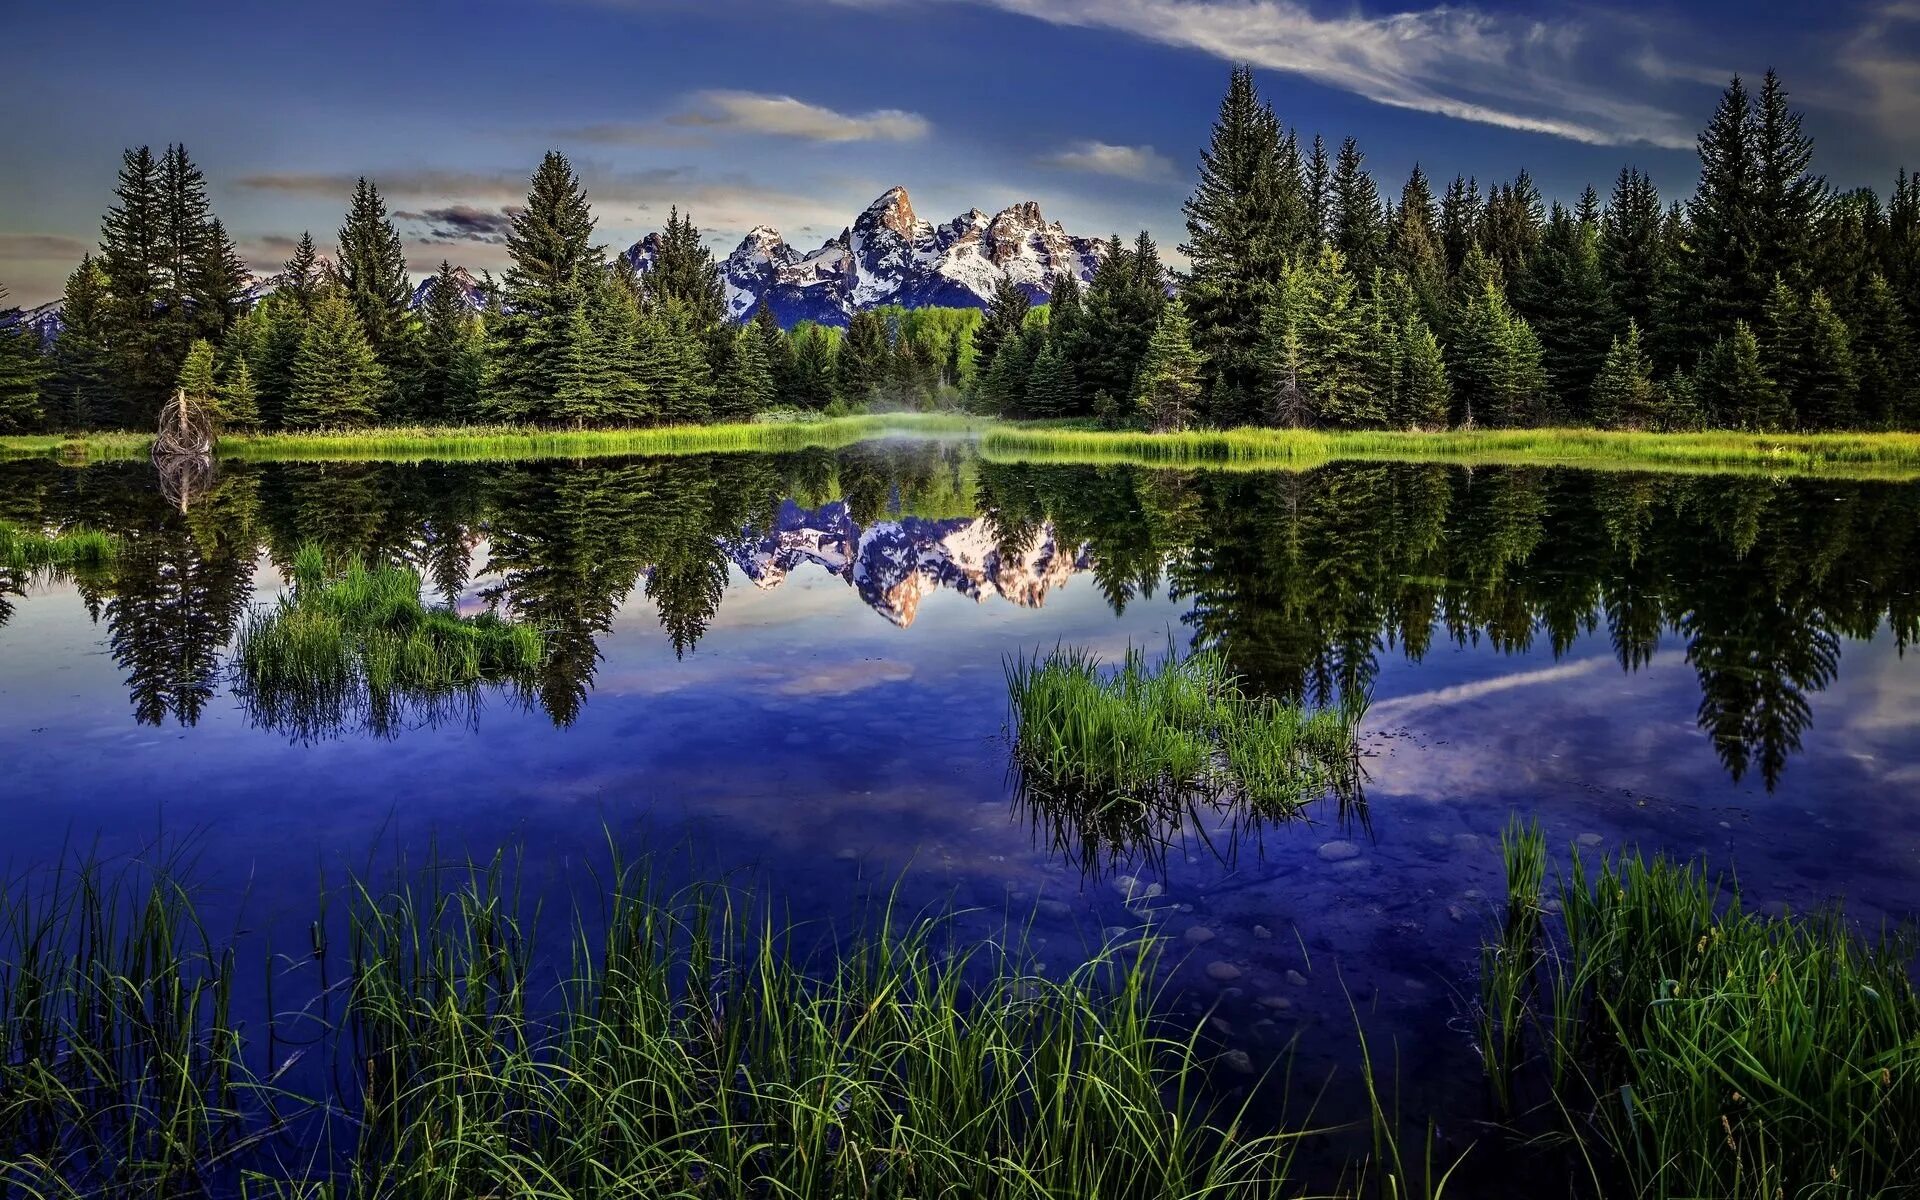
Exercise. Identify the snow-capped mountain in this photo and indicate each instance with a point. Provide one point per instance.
(890, 256)
(894, 565)
(469, 287)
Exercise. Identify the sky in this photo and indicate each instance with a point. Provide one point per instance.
(798, 113)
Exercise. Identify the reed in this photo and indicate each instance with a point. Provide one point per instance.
(1143, 736)
(1704, 1050)
(691, 1045)
(31, 551)
(356, 641)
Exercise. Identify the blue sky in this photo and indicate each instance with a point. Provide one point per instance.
(797, 113)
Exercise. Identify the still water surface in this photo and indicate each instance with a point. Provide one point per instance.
(789, 667)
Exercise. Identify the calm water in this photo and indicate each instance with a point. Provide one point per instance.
(791, 666)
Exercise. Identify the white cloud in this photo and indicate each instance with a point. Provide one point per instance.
(1879, 55)
(1496, 69)
(1104, 158)
(784, 116)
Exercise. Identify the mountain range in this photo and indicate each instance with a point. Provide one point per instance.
(887, 256)
(895, 565)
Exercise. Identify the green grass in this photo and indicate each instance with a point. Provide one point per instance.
(1695, 1048)
(356, 641)
(1889, 456)
(31, 551)
(1880, 456)
(689, 1046)
(1139, 738)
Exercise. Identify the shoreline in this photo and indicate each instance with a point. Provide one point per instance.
(1889, 457)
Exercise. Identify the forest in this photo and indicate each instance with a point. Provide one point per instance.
(1765, 301)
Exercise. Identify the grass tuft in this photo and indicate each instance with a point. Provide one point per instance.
(1707, 1050)
(358, 642)
(28, 550)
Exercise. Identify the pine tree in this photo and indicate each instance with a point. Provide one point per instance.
(373, 269)
(196, 379)
(1889, 366)
(300, 278)
(1785, 350)
(1624, 394)
(239, 400)
(1511, 226)
(1496, 360)
(20, 370)
(1425, 396)
(1319, 196)
(1723, 277)
(1339, 388)
(812, 368)
(1066, 334)
(1460, 214)
(554, 264)
(78, 391)
(337, 381)
(1415, 251)
(447, 387)
(1632, 248)
(1002, 389)
(861, 368)
(220, 284)
(1168, 389)
(1563, 296)
(674, 371)
(1787, 200)
(777, 348)
(131, 239)
(1830, 393)
(1006, 316)
(684, 272)
(1359, 228)
(1050, 390)
(1246, 213)
(749, 389)
(1732, 387)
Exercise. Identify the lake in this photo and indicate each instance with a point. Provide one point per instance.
(790, 668)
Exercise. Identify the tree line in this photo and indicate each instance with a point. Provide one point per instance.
(1766, 301)
(567, 336)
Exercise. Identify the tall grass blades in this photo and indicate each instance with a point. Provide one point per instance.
(33, 552)
(1119, 752)
(1890, 456)
(1709, 1051)
(119, 1052)
(690, 1045)
(357, 644)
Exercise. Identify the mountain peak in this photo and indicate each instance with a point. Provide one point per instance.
(893, 210)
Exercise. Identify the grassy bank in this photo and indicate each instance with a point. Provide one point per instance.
(1696, 1048)
(1879, 456)
(1889, 456)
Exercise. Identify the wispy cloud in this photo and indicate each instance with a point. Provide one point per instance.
(1882, 56)
(1104, 158)
(462, 222)
(1493, 68)
(785, 116)
(41, 246)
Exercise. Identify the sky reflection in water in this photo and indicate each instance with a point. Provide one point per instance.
(792, 665)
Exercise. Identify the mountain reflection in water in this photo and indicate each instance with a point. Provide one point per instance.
(1307, 582)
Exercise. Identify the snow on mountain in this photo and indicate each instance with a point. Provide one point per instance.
(469, 287)
(890, 256)
(895, 565)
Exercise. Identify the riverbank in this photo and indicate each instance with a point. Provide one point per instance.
(1879, 456)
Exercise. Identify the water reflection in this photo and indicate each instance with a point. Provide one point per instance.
(1307, 582)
